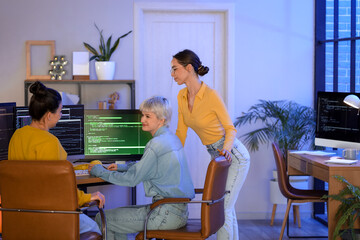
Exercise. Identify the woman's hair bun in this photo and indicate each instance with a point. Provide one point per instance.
(202, 70)
(38, 89)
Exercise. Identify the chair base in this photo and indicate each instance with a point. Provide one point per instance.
(296, 212)
(289, 236)
(286, 220)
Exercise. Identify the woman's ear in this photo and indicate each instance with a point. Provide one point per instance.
(189, 67)
(48, 116)
(163, 121)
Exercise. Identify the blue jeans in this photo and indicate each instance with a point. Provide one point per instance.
(131, 219)
(87, 224)
(236, 177)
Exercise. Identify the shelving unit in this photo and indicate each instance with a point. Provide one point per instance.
(80, 84)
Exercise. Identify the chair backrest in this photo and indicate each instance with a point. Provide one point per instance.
(212, 215)
(38, 185)
(283, 179)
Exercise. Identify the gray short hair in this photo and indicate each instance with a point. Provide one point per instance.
(158, 105)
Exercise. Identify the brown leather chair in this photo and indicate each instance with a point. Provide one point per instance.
(293, 195)
(39, 201)
(212, 207)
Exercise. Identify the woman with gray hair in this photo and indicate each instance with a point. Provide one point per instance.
(162, 169)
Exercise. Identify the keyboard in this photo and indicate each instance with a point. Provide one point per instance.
(105, 161)
(81, 172)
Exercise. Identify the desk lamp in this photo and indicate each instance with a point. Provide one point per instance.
(353, 101)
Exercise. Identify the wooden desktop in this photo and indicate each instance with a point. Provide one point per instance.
(300, 164)
(88, 181)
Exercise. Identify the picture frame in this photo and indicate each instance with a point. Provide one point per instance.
(47, 51)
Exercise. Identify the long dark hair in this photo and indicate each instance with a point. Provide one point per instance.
(43, 100)
(186, 57)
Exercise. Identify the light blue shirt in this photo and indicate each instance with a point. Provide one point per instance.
(163, 169)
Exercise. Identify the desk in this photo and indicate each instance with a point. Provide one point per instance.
(88, 181)
(300, 164)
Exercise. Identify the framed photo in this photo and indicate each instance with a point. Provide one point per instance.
(38, 56)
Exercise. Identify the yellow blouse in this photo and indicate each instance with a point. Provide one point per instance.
(29, 143)
(209, 117)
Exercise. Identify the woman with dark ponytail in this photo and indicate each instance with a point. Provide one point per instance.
(202, 109)
(35, 142)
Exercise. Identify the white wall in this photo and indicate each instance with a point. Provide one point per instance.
(274, 58)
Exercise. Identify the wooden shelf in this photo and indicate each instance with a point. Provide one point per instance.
(79, 84)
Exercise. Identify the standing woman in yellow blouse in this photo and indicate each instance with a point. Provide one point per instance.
(202, 109)
(35, 142)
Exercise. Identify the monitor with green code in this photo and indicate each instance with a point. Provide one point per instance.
(114, 134)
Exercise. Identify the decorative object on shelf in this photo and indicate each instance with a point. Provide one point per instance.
(37, 55)
(113, 98)
(105, 69)
(102, 105)
(57, 67)
(81, 66)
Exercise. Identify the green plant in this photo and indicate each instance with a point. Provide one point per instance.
(289, 124)
(349, 209)
(105, 50)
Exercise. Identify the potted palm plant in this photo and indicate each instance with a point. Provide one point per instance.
(288, 123)
(349, 210)
(105, 69)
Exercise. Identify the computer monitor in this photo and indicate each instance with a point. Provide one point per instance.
(337, 124)
(69, 130)
(114, 135)
(6, 127)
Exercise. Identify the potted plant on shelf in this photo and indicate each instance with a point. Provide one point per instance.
(105, 69)
(349, 210)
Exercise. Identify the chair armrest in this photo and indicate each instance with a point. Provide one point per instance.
(102, 215)
(91, 204)
(169, 200)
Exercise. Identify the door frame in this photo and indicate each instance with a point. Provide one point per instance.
(228, 9)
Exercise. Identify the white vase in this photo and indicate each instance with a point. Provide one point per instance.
(105, 70)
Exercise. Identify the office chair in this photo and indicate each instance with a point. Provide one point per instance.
(293, 195)
(39, 201)
(212, 207)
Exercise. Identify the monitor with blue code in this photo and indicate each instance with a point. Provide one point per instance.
(337, 124)
(114, 134)
(6, 127)
(69, 129)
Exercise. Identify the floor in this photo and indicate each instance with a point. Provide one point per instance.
(261, 230)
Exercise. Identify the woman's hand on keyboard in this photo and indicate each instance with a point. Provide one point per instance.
(90, 167)
(112, 167)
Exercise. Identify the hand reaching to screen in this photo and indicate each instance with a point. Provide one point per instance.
(98, 196)
(112, 167)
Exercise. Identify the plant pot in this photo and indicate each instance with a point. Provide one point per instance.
(105, 70)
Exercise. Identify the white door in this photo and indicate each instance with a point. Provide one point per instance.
(161, 32)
